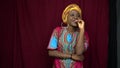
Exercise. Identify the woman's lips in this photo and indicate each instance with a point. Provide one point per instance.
(75, 21)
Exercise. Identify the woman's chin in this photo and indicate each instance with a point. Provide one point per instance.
(75, 26)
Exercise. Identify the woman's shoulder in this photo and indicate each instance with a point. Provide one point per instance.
(59, 28)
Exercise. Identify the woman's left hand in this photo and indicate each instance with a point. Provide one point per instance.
(81, 24)
(77, 58)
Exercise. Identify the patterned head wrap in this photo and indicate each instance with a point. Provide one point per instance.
(68, 9)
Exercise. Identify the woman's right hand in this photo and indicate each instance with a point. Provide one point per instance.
(77, 58)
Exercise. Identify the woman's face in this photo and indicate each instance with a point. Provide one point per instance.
(72, 17)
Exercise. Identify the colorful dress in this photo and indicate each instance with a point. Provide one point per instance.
(65, 42)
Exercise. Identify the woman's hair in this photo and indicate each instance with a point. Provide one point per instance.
(68, 9)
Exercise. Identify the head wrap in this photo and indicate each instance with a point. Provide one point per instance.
(68, 9)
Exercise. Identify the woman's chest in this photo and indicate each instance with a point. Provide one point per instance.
(67, 41)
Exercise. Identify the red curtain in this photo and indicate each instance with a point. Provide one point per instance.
(26, 27)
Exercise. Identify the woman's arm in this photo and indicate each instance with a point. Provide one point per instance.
(55, 53)
(80, 43)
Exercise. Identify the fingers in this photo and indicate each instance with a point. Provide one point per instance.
(78, 58)
(79, 20)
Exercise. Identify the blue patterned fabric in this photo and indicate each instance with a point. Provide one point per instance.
(53, 43)
(65, 43)
(69, 37)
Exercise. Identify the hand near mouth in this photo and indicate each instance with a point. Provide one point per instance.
(80, 23)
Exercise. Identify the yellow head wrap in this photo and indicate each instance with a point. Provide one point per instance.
(68, 9)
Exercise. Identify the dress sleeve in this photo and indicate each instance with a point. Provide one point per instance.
(53, 43)
(86, 43)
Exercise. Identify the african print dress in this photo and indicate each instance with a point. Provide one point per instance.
(65, 42)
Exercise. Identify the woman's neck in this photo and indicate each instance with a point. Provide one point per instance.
(71, 29)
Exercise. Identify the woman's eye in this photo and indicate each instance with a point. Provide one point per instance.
(72, 15)
(78, 15)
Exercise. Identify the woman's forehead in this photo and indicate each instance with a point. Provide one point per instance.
(74, 11)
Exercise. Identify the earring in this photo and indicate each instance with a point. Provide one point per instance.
(63, 25)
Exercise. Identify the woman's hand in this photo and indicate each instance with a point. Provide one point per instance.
(80, 23)
(77, 58)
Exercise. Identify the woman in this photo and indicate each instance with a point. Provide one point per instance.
(67, 44)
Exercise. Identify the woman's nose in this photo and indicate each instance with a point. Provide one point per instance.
(76, 18)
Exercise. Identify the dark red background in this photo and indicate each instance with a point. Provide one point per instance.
(26, 27)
